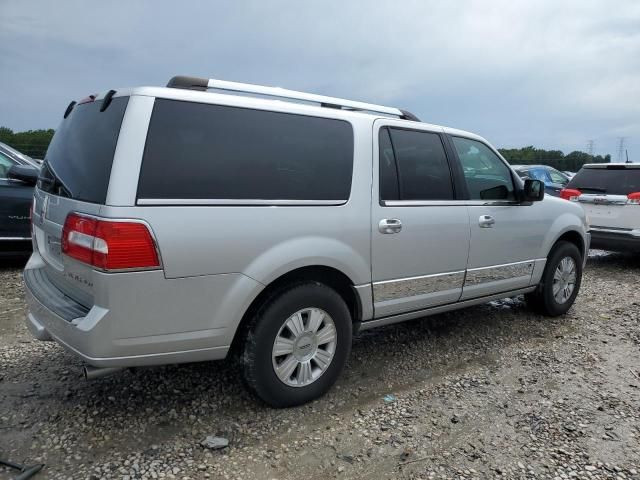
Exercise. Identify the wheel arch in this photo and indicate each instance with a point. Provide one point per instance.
(572, 236)
(330, 276)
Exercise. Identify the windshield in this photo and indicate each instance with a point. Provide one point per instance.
(79, 158)
(613, 181)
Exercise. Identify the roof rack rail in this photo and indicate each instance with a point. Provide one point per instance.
(203, 84)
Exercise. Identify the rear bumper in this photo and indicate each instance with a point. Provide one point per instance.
(140, 324)
(615, 240)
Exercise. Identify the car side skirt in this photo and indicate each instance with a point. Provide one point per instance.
(442, 308)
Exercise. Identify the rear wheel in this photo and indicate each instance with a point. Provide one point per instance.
(297, 344)
(560, 281)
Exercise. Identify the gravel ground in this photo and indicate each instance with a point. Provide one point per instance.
(491, 391)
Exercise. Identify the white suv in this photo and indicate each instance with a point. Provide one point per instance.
(610, 195)
(179, 224)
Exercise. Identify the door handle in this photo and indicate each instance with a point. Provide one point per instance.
(389, 225)
(486, 221)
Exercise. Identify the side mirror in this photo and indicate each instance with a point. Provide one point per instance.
(533, 190)
(25, 173)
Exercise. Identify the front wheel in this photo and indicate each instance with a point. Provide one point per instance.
(297, 345)
(560, 281)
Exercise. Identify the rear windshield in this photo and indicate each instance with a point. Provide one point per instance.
(612, 181)
(79, 158)
(201, 151)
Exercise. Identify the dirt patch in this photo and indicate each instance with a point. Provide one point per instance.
(491, 391)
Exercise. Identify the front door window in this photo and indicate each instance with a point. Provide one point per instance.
(487, 176)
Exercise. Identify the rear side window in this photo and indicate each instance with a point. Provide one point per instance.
(201, 151)
(79, 159)
(413, 166)
(389, 187)
(613, 181)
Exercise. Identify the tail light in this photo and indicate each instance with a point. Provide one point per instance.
(570, 194)
(634, 198)
(109, 245)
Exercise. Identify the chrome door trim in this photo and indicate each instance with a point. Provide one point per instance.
(413, 286)
(494, 273)
(442, 308)
(14, 238)
(240, 202)
(618, 231)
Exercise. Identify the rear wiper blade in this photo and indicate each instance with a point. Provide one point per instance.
(56, 181)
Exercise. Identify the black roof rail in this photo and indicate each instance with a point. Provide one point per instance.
(189, 83)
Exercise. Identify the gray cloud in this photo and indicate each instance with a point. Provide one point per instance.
(550, 74)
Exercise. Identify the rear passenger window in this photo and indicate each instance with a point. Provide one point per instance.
(413, 166)
(202, 151)
(389, 188)
(487, 177)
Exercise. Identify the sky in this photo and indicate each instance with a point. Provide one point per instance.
(545, 73)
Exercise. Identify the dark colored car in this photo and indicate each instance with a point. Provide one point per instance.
(554, 180)
(18, 175)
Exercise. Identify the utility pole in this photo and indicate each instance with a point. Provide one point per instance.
(590, 149)
(621, 149)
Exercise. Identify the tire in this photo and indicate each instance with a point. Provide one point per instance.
(314, 372)
(543, 300)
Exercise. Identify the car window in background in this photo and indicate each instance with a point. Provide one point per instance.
(557, 177)
(539, 174)
(14, 154)
(613, 181)
(5, 164)
(487, 176)
(422, 166)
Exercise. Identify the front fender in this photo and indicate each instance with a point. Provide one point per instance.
(564, 223)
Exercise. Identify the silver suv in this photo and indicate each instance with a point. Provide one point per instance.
(181, 224)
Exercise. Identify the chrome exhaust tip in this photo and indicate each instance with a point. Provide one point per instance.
(91, 373)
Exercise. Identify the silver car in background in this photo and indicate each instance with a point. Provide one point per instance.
(180, 224)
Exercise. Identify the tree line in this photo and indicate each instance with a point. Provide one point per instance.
(554, 158)
(35, 142)
(32, 142)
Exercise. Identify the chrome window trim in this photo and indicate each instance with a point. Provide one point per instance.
(420, 285)
(447, 203)
(14, 238)
(13, 180)
(239, 202)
